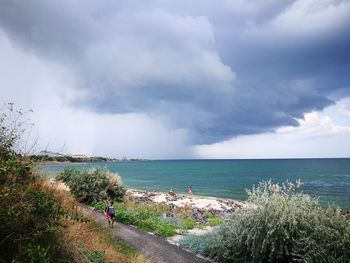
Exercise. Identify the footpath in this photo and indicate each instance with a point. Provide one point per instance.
(155, 247)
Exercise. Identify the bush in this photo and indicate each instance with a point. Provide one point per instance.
(203, 244)
(99, 205)
(127, 217)
(285, 226)
(208, 215)
(93, 185)
(187, 223)
(33, 253)
(165, 229)
(215, 221)
(68, 174)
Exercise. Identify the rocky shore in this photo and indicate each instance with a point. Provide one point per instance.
(196, 206)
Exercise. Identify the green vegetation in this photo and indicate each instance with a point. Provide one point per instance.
(158, 208)
(143, 217)
(208, 215)
(67, 158)
(39, 223)
(148, 216)
(212, 220)
(187, 223)
(202, 244)
(93, 185)
(215, 221)
(285, 226)
(29, 216)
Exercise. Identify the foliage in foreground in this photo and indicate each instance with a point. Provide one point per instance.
(29, 215)
(286, 226)
(37, 221)
(91, 185)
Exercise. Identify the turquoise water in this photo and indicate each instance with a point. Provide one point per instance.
(327, 178)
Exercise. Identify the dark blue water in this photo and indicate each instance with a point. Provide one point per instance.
(327, 178)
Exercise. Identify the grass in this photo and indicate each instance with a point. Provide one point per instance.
(184, 211)
(85, 240)
(187, 223)
(215, 221)
(95, 241)
(145, 216)
(148, 216)
(208, 215)
(146, 220)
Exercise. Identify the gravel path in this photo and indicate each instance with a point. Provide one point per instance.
(152, 246)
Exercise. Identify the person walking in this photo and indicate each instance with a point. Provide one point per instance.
(110, 214)
(190, 192)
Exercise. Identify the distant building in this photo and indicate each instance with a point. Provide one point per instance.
(79, 155)
(50, 154)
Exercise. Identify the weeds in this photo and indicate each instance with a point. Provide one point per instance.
(187, 223)
(215, 221)
(146, 220)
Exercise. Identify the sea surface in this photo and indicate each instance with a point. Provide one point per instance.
(328, 179)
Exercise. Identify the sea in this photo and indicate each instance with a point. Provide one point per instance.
(327, 179)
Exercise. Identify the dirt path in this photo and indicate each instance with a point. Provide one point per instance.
(152, 246)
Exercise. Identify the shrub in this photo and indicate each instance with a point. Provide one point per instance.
(92, 185)
(187, 223)
(215, 221)
(208, 215)
(165, 229)
(99, 205)
(68, 174)
(203, 244)
(33, 253)
(127, 217)
(285, 226)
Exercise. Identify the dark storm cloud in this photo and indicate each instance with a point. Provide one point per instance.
(215, 68)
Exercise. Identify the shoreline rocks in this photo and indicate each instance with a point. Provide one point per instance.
(196, 206)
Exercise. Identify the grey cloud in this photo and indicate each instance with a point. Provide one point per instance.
(217, 69)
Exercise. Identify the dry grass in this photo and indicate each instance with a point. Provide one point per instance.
(94, 237)
(80, 236)
(184, 211)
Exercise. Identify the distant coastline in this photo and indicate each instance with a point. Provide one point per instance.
(59, 158)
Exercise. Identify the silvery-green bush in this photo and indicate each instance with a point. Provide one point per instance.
(91, 185)
(285, 226)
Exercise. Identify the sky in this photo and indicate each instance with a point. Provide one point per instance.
(181, 79)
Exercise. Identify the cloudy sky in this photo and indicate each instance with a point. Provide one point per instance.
(181, 79)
